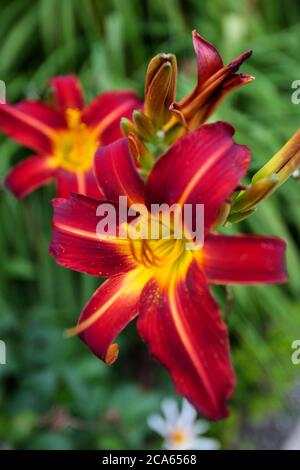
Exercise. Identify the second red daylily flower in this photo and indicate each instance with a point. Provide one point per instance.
(64, 136)
(161, 282)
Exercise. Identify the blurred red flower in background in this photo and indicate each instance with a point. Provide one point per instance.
(65, 136)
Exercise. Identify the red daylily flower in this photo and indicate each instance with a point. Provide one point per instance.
(158, 281)
(65, 136)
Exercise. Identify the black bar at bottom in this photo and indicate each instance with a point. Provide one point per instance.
(135, 459)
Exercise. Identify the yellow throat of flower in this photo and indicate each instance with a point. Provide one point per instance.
(75, 147)
(157, 253)
(163, 255)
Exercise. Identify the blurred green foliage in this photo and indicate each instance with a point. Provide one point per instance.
(53, 393)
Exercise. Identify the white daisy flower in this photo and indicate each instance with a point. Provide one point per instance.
(180, 429)
(296, 173)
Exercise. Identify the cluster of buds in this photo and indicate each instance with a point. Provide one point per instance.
(163, 120)
(146, 134)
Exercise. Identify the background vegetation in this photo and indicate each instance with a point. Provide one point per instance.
(53, 392)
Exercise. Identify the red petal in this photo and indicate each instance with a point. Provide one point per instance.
(26, 128)
(110, 309)
(43, 113)
(67, 92)
(30, 174)
(245, 259)
(81, 183)
(203, 167)
(105, 111)
(208, 58)
(182, 326)
(77, 245)
(116, 173)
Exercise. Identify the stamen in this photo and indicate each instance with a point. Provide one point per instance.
(156, 253)
(73, 117)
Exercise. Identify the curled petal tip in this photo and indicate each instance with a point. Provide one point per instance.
(245, 78)
(237, 62)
